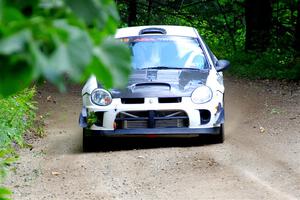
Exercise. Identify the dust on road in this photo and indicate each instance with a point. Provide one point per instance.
(260, 158)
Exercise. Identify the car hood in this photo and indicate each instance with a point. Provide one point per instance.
(161, 83)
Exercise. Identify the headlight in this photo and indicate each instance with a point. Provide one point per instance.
(101, 97)
(202, 94)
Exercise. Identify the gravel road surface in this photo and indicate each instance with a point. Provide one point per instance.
(260, 158)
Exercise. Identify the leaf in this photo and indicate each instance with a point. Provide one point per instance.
(75, 54)
(114, 57)
(42, 65)
(80, 49)
(10, 160)
(11, 14)
(86, 10)
(60, 61)
(70, 56)
(95, 12)
(101, 72)
(26, 6)
(4, 192)
(14, 43)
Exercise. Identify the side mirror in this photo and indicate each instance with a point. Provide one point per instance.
(222, 65)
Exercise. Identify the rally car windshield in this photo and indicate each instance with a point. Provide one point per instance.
(166, 52)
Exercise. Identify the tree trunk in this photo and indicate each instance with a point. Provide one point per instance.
(297, 33)
(131, 13)
(258, 15)
(149, 10)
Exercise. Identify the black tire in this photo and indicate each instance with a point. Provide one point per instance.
(219, 138)
(87, 142)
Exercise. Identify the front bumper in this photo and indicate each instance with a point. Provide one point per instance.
(193, 114)
(154, 131)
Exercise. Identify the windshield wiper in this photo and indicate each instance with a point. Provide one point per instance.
(166, 68)
(159, 67)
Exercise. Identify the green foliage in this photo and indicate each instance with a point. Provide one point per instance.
(38, 128)
(7, 157)
(17, 114)
(91, 119)
(268, 65)
(51, 39)
(4, 193)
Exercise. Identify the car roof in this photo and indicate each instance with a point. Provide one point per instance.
(169, 30)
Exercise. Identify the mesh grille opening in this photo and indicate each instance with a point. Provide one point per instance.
(152, 119)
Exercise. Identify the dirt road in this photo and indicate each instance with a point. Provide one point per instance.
(260, 158)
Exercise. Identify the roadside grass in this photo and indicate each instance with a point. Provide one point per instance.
(17, 116)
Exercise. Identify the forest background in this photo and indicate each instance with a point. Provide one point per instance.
(47, 39)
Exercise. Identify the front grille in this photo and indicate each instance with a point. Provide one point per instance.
(135, 124)
(152, 119)
(178, 123)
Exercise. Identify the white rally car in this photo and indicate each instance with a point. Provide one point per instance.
(176, 88)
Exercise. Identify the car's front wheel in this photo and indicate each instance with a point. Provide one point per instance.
(212, 138)
(87, 141)
(219, 138)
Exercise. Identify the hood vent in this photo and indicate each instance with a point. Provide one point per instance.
(151, 87)
(153, 31)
